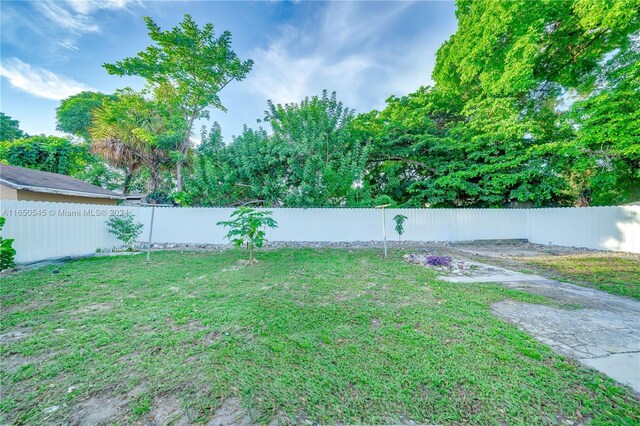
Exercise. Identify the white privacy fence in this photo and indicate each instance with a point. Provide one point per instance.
(45, 230)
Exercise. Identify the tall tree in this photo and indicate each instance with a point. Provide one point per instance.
(322, 162)
(605, 153)
(403, 143)
(193, 65)
(9, 128)
(74, 114)
(512, 63)
(257, 168)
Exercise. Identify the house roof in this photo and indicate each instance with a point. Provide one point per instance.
(51, 183)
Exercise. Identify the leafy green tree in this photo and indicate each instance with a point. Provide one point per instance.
(211, 142)
(74, 114)
(217, 176)
(9, 128)
(46, 153)
(512, 63)
(125, 228)
(257, 168)
(248, 227)
(321, 162)
(191, 66)
(491, 132)
(402, 143)
(605, 153)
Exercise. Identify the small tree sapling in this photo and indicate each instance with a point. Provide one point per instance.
(125, 228)
(399, 220)
(248, 226)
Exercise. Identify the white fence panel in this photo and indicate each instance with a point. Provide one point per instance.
(187, 225)
(198, 225)
(603, 228)
(45, 230)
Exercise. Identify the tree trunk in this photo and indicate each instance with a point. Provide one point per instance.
(126, 186)
(179, 166)
(184, 149)
(154, 179)
(250, 252)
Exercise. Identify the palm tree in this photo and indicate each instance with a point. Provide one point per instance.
(126, 132)
(120, 155)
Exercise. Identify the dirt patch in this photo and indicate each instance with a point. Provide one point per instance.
(212, 338)
(99, 410)
(31, 306)
(11, 364)
(103, 408)
(94, 309)
(230, 413)
(375, 323)
(167, 411)
(232, 268)
(344, 296)
(190, 326)
(14, 336)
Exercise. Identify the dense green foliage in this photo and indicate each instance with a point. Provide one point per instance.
(74, 114)
(512, 64)
(46, 153)
(534, 104)
(7, 252)
(248, 226)
(133, 132)
(304, 337)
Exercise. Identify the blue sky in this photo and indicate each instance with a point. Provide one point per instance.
(365, 51)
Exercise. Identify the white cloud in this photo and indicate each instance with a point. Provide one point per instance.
(352, 48)
(67, 44)
(78, 23)
(347, 23)
(39, 81)
(75, 15)
(280, 77)
(88, 6)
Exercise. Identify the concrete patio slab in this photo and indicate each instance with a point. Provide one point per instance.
(603, 333)
(624, 367)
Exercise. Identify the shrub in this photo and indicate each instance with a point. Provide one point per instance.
(439, 260)
(125, 228)
(7, 252)
(247, 226)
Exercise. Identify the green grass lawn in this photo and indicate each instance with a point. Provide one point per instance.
(325, 336)
(614, 273)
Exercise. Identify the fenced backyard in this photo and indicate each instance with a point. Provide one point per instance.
(316, 335)
(44, 230)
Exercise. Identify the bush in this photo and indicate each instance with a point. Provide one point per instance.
(7, 252)
(247, 226)
(125, 228)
